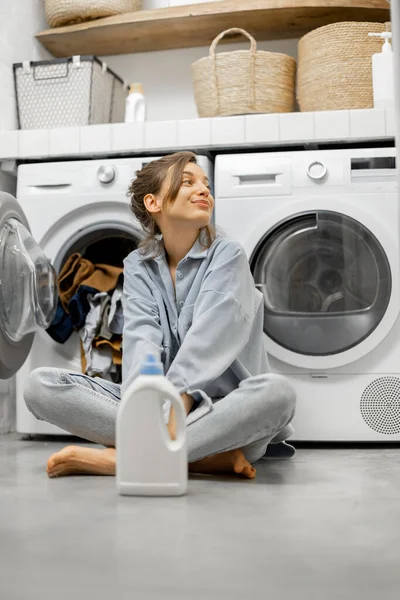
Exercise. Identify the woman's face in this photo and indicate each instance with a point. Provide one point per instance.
(193, 204)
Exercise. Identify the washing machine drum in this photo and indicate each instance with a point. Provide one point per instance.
(326, 283)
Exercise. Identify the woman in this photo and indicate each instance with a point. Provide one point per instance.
(189, 294)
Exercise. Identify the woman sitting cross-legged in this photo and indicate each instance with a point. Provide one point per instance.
(189, 295)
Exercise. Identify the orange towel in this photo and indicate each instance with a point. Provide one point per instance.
(80, 271)
(83, 357)
(115, 344)
(73, 273)
(104, 277)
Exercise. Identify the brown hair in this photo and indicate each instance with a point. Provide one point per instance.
(149, 181)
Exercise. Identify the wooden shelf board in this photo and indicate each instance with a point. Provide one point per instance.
(198, 24)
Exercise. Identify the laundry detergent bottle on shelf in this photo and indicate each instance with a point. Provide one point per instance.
(135, 104)
(382, 73)
(149, 462)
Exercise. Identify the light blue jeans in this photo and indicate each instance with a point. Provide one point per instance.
(256, 413)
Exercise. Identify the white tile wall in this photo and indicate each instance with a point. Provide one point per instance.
(34, 142)
(227, 130)
(194, 133)
(364, 120)
(261, 128)
(160, 134)
(295, 127)
(64, 141)
(390, 122)
(127, 136)
(332, 125)
(95, 139)
(9, 144)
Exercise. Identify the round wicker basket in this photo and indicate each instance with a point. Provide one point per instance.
(67, 12)
(335, 68)
(243, 81)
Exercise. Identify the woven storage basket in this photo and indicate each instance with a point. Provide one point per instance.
(243, 81)
(335, 66)
(66, 12)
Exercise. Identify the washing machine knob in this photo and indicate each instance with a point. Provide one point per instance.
(106, 173)
(317, 170)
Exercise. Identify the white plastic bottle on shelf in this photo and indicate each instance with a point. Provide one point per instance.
(382, 73)
(135, 104)
(149, 463)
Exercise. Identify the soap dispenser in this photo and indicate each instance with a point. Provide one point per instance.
(382, 73)
(135, 104)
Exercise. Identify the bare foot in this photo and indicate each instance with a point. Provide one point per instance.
(92, 461)
(80, 460)
(232, 461)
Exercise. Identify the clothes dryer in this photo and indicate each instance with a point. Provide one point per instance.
(321, 231)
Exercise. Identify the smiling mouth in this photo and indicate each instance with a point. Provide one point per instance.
(202, 203)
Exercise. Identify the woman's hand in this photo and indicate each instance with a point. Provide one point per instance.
(187, 403)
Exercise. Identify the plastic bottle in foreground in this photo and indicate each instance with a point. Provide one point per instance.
(149, 463)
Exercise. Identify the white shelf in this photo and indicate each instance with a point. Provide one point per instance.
(250, 131)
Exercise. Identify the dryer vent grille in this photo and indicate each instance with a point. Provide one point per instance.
(380, 405)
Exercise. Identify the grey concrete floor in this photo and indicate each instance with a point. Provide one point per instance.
(324, 525)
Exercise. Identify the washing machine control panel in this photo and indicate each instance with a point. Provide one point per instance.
(106, 173)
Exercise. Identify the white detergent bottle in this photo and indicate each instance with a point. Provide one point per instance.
(382, 73)
(149, 463)
(135, 104)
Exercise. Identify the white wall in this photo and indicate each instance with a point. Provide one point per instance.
(19, 21)
(166, 75)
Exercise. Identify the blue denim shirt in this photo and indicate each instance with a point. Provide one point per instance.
(209, 331)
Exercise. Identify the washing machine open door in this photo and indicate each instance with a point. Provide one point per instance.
(28, 290)
(326, 282)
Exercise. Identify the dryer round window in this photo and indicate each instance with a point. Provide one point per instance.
(326, 282)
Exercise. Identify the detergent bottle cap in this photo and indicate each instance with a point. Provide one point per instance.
(151, 365)
(136, 88)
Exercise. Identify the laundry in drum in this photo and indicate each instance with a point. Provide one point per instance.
(89, 303)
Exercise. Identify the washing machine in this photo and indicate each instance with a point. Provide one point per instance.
(321, 232)
(61, 208)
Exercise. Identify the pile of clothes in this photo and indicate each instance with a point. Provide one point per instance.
(89, 301)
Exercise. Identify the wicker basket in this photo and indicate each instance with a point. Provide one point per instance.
(243, 81)
(334, 66)
(66, 12)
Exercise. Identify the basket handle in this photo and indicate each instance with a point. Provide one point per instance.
(253, 50)
(38, 77)
(215, 42)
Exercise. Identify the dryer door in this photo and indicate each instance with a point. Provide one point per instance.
(326, 282)
(28, 291)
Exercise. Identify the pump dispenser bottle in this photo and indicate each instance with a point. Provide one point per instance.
(382, 73)
(135, 104)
